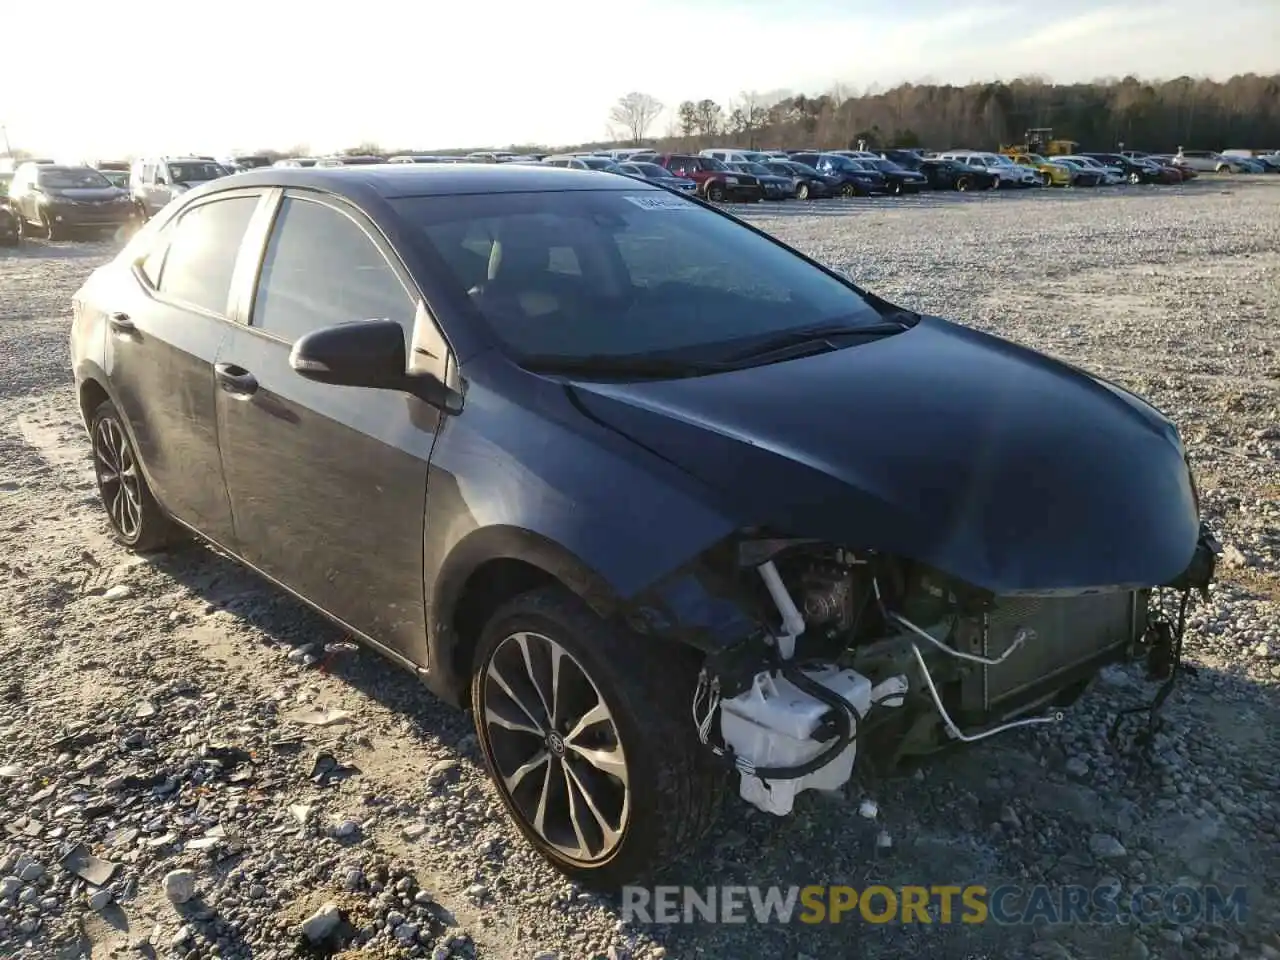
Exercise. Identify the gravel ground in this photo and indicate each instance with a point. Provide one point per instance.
(238, 766)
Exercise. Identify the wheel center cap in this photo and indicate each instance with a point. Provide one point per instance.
(555, 743)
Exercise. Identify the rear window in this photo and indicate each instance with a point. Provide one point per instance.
(581, 273)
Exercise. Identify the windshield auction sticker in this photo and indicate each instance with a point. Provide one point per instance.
(661, 201)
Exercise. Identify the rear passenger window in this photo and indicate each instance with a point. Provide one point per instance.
(202, 252)
(322, 269)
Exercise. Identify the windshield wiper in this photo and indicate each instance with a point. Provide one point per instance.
(618, 366)
(812, 339)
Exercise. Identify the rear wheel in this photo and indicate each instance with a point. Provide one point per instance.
(964, 184)
(1135, 177)
(136, 519)
(802, 191)
(715, 192)
(585, 730)
(848, 190)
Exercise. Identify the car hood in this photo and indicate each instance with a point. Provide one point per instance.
(993, 463)
(86, 193)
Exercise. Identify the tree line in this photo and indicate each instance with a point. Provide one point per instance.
(1159, 116)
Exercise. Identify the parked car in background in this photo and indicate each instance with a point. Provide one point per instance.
(1110, 176)
(908, 157)
(715, 181)
(599, 443)
(1053, 174)
(732, 154)
(117, 178)
(1082, 174)
(154, 181)
(349, 160)
(10, 222)
(853, 179)
(580, 161)
(1243, 161)
(900, 180)
(657, 173)
(1006, 172)
(1131, 170)
(415, 158)
(57, 199)
(296, 162)
(954, 175)
(1210, 161)
(774, 186)
(810, 184)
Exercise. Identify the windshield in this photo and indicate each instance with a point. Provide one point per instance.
(194, 171)
(711, 163)
(759, 169)
(69, 178)
(1033, 157)
(837, 162)
(611, 273)
(803, 168)
(888, 166)
(598, 163)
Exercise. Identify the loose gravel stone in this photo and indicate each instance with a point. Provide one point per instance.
(179, 885)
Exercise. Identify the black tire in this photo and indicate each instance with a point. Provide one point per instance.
(802, 191)
(672, 791)
(896, 189)
(51, 230)
(995, 183)
(1135, 177)
(964, 184)
(715, 191)
(848, 190)
(135, 518)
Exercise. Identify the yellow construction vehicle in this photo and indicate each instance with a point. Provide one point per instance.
(1040, 140)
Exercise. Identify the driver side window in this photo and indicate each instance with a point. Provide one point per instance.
(321, 269)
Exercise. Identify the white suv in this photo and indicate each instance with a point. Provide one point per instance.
(154, 181)
(1007, 172)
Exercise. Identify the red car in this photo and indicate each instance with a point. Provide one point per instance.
(715, 181)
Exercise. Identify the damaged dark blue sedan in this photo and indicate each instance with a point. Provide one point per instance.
(665, 504)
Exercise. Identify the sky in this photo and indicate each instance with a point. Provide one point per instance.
(239, 76)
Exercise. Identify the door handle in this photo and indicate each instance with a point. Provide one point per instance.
(236, 380)
(121, 323)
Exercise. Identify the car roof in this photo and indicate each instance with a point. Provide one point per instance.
(425, 180)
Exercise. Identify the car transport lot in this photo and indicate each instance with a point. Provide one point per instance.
(179, 712)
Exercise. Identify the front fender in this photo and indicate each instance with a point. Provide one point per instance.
(524, 474)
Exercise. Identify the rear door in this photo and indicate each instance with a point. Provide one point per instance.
(328, 484)
(165, 324)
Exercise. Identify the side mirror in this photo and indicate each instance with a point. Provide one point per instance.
(366, 353)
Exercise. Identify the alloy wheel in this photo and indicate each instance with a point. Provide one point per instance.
(555, 747)
(117, 475)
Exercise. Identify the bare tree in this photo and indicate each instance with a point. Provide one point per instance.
(635, 113)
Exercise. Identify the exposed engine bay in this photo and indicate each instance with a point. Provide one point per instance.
(875, 656)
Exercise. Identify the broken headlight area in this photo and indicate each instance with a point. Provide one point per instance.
(837, 655)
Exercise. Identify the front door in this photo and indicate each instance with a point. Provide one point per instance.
(327, 484)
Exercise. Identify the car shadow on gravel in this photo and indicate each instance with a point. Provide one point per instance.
(289, 624)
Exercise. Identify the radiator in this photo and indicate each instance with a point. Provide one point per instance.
(1069, 632)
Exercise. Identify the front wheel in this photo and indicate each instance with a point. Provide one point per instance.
(848, 190)
(1135, 177)
(585, 729)
(52, 231)
(802, 191)
(964, 184)
(715, 192)
(136, 519)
